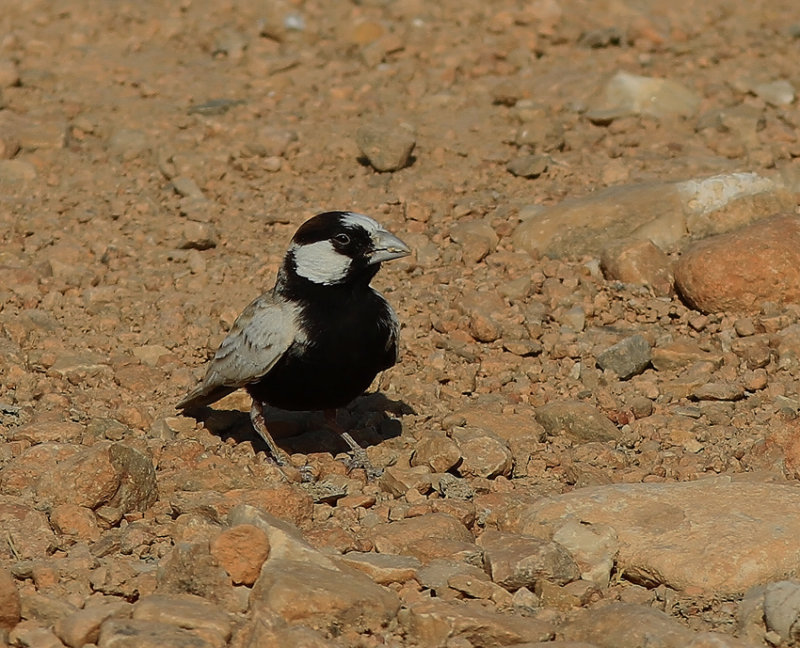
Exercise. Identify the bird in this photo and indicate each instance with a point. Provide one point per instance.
(319, 337)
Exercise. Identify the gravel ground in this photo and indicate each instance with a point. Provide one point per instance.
(591, 438)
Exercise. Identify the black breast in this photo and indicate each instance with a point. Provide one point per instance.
(350, 338)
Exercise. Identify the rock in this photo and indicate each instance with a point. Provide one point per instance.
(187, 187)
(626, 358)
(74, 520)
(483, 309)
(626, 625)
(43, 607)
(438, 624)
(718, 391)
(31, 635)
(663, 213)
(383, 568)
(398, 481)
(191, 569)
(271, 142)
(782, 609)
(83, 626)
(110, 474)
(631, 94)
(776, 93)
(271, 631)
(528, 166)
(9, 73)
(83, 362)
(187, 611)
(521, 432)
(10, 607)
(322, 598)
(476, 238)
(122, 576)
(150, 354)
(740, 270)
(714, 534)
(284, 501)
(386, 146)
(539, 130)
(241, 550)
(682, 353)
(437, 573)
(137, 633)
(26, 532)
(198, 236)
(34, 134)
(479, 588)
(516, 561)
(483, 454)
(577, 419)
(403, 536)
(16, 171)
(285, 540)
(436, 450)
(638, 262)
(594, 548)
(128, 144)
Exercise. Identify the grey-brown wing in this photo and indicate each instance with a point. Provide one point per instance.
(258, 338)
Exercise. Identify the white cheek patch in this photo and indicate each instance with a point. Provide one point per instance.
(320, 263)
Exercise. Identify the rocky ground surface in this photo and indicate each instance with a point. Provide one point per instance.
(592, 438)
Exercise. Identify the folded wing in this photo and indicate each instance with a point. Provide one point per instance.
(258, 338)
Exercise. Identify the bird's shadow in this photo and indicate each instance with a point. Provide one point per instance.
(370, 419)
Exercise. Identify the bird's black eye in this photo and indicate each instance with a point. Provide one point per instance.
(342, 239)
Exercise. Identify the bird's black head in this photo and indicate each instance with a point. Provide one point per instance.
(336, 248)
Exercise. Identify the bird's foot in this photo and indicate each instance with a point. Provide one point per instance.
(306, 474)
(359, 459)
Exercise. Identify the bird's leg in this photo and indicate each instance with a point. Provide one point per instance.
(260, 425)
(257, 418)
(360, 458)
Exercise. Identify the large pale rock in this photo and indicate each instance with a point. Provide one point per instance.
(435, 623)
(516, 561)
(83, 626)
(594, 548)
(716, 534)
(285, 540)
(625, 625)
(141, 633)
(631, 94)
(186, 611)
(664, 213)
(383, 568)
(304, 592)
(740, 270)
